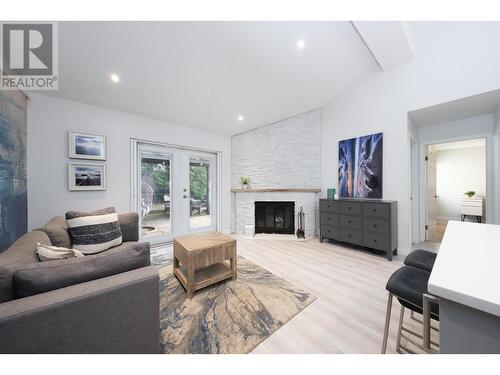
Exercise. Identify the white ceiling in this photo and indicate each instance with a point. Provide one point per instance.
(458, 109)
(250, 68)
(388, 41)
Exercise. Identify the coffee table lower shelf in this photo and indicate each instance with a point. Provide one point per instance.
(205, 276)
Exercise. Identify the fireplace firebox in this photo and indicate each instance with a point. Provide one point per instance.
(275, 217)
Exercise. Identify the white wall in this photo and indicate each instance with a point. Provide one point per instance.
(463, 128)
(457, 171)
(49, 120)
(451, 61)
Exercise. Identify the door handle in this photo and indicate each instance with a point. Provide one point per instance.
(184, 196)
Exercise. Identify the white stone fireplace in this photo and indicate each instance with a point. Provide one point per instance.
(283, 163)
(244, 207)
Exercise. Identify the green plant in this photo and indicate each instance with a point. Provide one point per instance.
(245, 180)
(470, 194)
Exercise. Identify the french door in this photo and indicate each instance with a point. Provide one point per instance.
(174, 192)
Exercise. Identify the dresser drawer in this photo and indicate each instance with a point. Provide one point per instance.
(329, 218)
(350, 222)
(376, 241)
(351, 236)
(329, 206)
(377, 210)
(377, 226)
(328, 231)
(350, 208)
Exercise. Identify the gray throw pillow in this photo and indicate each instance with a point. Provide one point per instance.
(93, 232)
(43, 277)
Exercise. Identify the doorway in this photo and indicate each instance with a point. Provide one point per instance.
(456, 184)
(174, 191)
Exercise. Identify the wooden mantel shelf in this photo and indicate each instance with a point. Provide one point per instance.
(268, 190)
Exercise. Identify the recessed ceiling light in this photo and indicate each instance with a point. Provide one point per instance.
(209, 91)
(301, 43)
(240, 117)
(115, 77)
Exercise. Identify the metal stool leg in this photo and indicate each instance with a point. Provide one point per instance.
(387, 322)
(427, 299)
(400, 328)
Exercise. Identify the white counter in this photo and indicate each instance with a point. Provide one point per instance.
(467, 268)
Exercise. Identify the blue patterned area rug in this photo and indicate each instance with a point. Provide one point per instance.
(230, 317)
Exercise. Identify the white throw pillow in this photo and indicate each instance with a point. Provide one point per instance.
(46, 252)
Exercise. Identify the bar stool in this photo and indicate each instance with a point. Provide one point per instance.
(409, 285)
(422, 259)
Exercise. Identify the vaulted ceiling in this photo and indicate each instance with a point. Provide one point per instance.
(207, 74)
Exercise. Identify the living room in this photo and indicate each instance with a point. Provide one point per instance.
(246, 186)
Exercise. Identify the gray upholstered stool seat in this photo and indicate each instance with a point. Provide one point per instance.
(408, 285)
(422, 259)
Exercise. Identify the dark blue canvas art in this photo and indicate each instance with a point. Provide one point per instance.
(360, 167)
(13, 197)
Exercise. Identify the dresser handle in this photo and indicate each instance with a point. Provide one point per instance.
(374, 210)
(349, 221)
(349, 235)
(374, 240)
(374, 225)
(348, 208)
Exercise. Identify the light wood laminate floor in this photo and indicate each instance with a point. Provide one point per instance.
(348, 314)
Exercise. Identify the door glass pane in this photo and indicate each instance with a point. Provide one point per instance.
(200, 200)
(155, 194)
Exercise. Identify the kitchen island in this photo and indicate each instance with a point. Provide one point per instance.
(466, 278)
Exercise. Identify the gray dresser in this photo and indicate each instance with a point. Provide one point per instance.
(372, 223)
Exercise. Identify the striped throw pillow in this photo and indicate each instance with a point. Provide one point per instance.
(93, 232)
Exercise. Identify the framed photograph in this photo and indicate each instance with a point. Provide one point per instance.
(86, 176)
(87, 146)
(360, 167)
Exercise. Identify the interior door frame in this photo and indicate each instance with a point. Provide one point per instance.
(414, 189)
(134, 172)
(489, 207)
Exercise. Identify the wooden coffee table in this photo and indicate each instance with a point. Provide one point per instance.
(200, 260)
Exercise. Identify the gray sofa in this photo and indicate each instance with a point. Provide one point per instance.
(111, 303)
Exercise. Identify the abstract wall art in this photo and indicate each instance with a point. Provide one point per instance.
(13, 194)
(360, 167)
